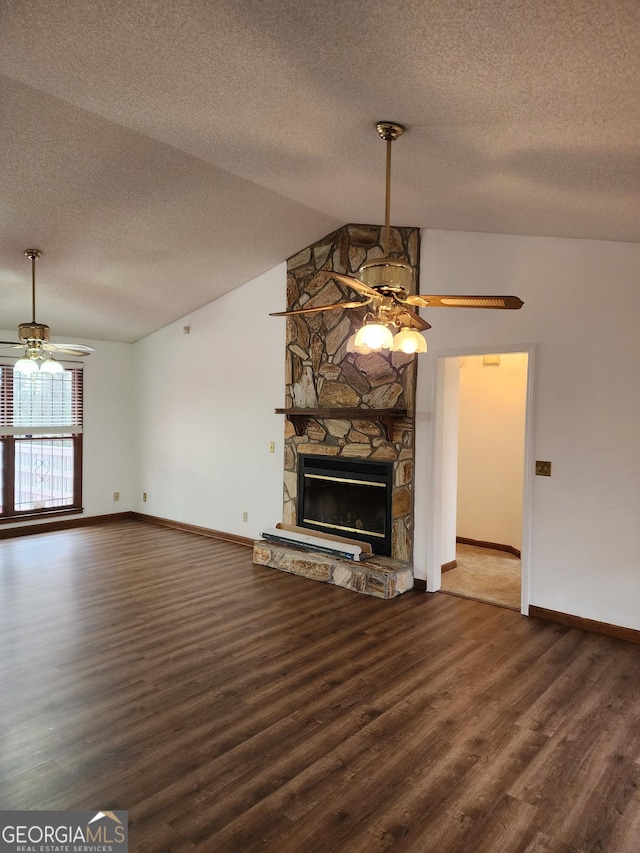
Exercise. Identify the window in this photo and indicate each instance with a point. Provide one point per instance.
(40, 442)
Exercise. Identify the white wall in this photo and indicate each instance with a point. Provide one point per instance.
(107, 428)
(492, 402)
(204, 412)
(582, 305)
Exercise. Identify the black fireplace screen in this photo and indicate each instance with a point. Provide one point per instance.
(346, 497)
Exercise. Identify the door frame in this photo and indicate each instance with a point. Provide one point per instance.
(428, 464)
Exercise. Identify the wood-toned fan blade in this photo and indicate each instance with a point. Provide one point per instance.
(353, 283)
(11, 344)
(69, 349)
(430, 301)
(319, 308)
(411, 318)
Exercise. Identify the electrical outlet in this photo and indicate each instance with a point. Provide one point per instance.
(543, 469)
(272, 447)
(144, 497)
(245, 516)
(116, 496)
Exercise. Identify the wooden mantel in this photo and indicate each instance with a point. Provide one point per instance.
(385, 417)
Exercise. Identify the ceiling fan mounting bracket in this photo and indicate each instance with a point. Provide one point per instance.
(389, 130)
(33, 253)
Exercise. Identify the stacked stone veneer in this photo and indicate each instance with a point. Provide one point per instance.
(321, 374)
(381, 577)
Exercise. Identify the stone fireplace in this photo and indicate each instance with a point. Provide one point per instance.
(344, 406)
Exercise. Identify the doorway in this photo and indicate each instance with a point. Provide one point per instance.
(484, 418)
(472, 507)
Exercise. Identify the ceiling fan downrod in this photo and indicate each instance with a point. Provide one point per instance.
(389, 131)
(33, 330)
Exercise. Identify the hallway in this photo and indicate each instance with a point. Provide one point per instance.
(484, 575)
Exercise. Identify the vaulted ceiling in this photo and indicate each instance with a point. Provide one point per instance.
(163, 153)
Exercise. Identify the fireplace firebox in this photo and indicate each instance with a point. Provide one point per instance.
(346, 497)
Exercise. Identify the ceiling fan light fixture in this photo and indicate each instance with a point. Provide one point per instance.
(50, 365)
(34, 337)
(409, 341)
(26, 365)
(374, 336)
(387, 285)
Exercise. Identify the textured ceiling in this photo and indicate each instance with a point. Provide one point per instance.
(163, 153)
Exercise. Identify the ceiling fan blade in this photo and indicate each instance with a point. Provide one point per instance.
(11, 344)
(353, 283)
(413, 319)
(430, 301)
(319, 308)
(69, 349)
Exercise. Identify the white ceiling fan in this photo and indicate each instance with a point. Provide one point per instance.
(34, 337)
(386, 283)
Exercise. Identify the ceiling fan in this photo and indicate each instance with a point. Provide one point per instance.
(34, 337)
(386, 283)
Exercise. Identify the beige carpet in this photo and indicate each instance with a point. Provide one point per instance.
(485, 575)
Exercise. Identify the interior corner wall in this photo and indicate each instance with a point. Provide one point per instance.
(204, 412)
(106, 443)
(492, 410)
(107, 434)
(450, 400)
(582, 304)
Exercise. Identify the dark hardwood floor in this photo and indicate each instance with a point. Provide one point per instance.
(236, 708)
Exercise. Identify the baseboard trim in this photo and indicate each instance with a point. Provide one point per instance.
(69, 523)
(62, 524)
(495, 546)
(193, 528)
(631, 635)
(420, 584)
(446, 567)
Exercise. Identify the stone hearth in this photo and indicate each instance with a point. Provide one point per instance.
(382, 577)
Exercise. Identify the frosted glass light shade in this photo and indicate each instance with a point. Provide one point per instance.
(375, 336)
(50, 365)
(26, 366)
(351, 346)
(409, 341)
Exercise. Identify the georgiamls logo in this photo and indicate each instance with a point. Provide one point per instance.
(103, 830)
(110, 815)
(66, 832)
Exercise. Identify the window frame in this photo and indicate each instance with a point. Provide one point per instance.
(9, 436)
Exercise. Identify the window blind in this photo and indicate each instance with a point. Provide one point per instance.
(40, 403)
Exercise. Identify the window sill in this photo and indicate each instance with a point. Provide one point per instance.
(41, 514)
